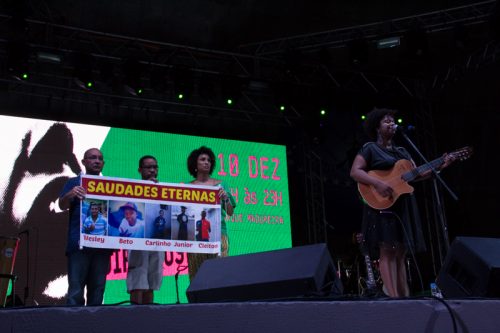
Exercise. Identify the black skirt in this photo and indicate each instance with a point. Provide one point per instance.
(396, 226)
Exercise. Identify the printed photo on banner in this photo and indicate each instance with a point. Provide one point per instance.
(127, 219)
(159, 221)
(95, 217)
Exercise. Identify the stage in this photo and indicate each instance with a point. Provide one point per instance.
(315, 315)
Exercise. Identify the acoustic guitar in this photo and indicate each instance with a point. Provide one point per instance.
(400, 175)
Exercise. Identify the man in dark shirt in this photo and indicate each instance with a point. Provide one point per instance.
(87, 267)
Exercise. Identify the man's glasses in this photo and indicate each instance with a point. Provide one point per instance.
(94, 157)
(149, 167)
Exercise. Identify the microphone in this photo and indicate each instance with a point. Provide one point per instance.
(25, 231)
(409, 128)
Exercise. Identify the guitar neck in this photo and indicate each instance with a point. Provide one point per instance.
(414, 173)
(369, 272)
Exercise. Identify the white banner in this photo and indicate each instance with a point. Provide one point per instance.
(132, 214)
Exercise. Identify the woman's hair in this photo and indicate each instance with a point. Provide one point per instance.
(192, 161)
(373, 119)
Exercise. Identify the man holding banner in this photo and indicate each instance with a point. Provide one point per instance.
(87, 267)
(141, 200)
(145, 268)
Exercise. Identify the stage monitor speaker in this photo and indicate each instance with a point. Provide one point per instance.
(288, 273)
(471, 268)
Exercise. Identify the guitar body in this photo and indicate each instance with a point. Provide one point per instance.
(398, 177)
(394, 179)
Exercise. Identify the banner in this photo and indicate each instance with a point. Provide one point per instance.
(131, 214)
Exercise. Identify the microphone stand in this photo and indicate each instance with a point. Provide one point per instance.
(179, 269)
(439, 205)
(26, 287)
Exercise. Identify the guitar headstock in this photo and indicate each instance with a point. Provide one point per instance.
(461, 154)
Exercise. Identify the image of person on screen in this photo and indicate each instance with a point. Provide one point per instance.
(201, 164)
(87, 267)
(131, 225)
(162, 229)
(203, 228)
(95, 223)
(183, 220)
(145, 268)
(43, 161)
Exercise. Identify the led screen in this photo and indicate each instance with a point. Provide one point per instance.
(39, 156)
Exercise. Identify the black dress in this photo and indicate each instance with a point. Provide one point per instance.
(399, 224)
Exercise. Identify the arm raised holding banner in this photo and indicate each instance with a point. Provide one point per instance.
(150, 263)
(201, 164)
(80, 260)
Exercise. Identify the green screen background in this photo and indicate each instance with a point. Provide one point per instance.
(123, 148)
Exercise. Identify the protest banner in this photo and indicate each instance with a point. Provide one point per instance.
(132, 214)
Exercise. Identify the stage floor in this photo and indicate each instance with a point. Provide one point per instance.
(380, 315)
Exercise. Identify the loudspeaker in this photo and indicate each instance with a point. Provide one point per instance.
(295, 272)
(471, 268)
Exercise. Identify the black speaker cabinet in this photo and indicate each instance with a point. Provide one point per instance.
(471, 268)
(294, 272)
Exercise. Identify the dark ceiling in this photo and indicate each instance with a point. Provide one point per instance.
(220, 24)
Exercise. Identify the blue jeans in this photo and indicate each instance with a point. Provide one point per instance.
(87, 267)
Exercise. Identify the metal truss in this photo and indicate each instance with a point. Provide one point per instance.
(430, 22)
(251, 77)
(484, 56)
(259, 69)
(315, 198)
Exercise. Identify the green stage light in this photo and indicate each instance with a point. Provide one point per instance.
(282, 108)
(363, 117)
(83, 65)
(322, 112)
(180, 96)
(229, 101)
(25, 76)
(400, 120)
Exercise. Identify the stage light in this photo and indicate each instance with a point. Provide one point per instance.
(358, 52)
(388, 43)
(322, 112)
(399, 120)
(183, 82)
(207, 88)
(283, 94)
(18, 54)
(231, 89)
(158, 79)
(363, 117)
(417, 44)
(132, 70)
(83, 64)
(48, 57)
